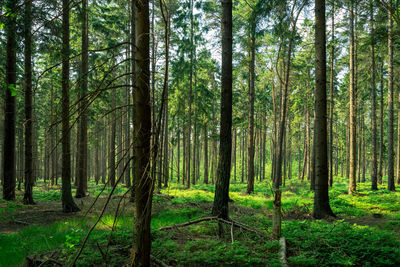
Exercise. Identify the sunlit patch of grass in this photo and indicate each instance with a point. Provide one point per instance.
(189, 196)
(175, 216)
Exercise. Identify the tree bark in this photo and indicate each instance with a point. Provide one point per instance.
(321, 196)
(144, 183)
(68, 204)
(83, 124)
(374, 171)
(391, 185)
(221, 199)
(9, 107)
(331, 91)
(353, 109)
(28, 196)
(205, 153)
(250, 155)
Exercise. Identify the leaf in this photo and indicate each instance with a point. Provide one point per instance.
(11, 87)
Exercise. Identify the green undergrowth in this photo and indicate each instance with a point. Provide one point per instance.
(309, 242)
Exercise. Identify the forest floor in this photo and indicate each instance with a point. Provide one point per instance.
(365, 233)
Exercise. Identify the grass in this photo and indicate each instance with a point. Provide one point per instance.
(310, 242)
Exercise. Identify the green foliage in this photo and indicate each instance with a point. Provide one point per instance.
(340, 243)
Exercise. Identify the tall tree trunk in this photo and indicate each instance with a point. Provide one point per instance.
(166, 18)
(133, 94)
(189, 128)
(178, 157)
(282, 124)
(353, 109)
(9, 107)
(391, 185)
(321, 196)
(144, 182)
(220, 206)
(111, 156)
(380, 171)
(331, 91)
(28, 196)
(83, 147)
(205, 153)
(250, 149)
(68, 204)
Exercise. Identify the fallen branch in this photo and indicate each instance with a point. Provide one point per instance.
(159, 262)
(230, 222)
(282, 252)
(21, 222)
(188, 223)
(243, 226)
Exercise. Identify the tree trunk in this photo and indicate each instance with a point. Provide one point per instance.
(9, 107)
(353, 109)
(68, 203)
(331, 91)
(144, 184)
(83, 124)
(205, 153)
(188, 146)
(28, 196)
(220, 206)
(282, 124)
(321, 196)
(380, 171)
(250, 155)
(111, 156)
(391, 185)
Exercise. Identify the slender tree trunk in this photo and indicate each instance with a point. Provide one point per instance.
(83, 147)
(205, 153)
(391, 185)
(250, 155)
(68, 203)
(133, 94)
(28, 196)
(353, 109)
(144, 183)
(178, 159)
(188, 146)
(331, 91)
(111, 156)
(380, 171)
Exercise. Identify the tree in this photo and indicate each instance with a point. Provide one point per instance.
(250, 131)
(353, 108)
(144, 183)
(68, 204)
(9, 108)
(374, 170)
(390, 171)
(321, 195)
(28, 196)
(331, 96)
(221, 198)
(82, 142)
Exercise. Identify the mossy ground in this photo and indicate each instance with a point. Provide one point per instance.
(366, 232)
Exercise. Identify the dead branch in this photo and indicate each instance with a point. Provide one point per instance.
(158, 262)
